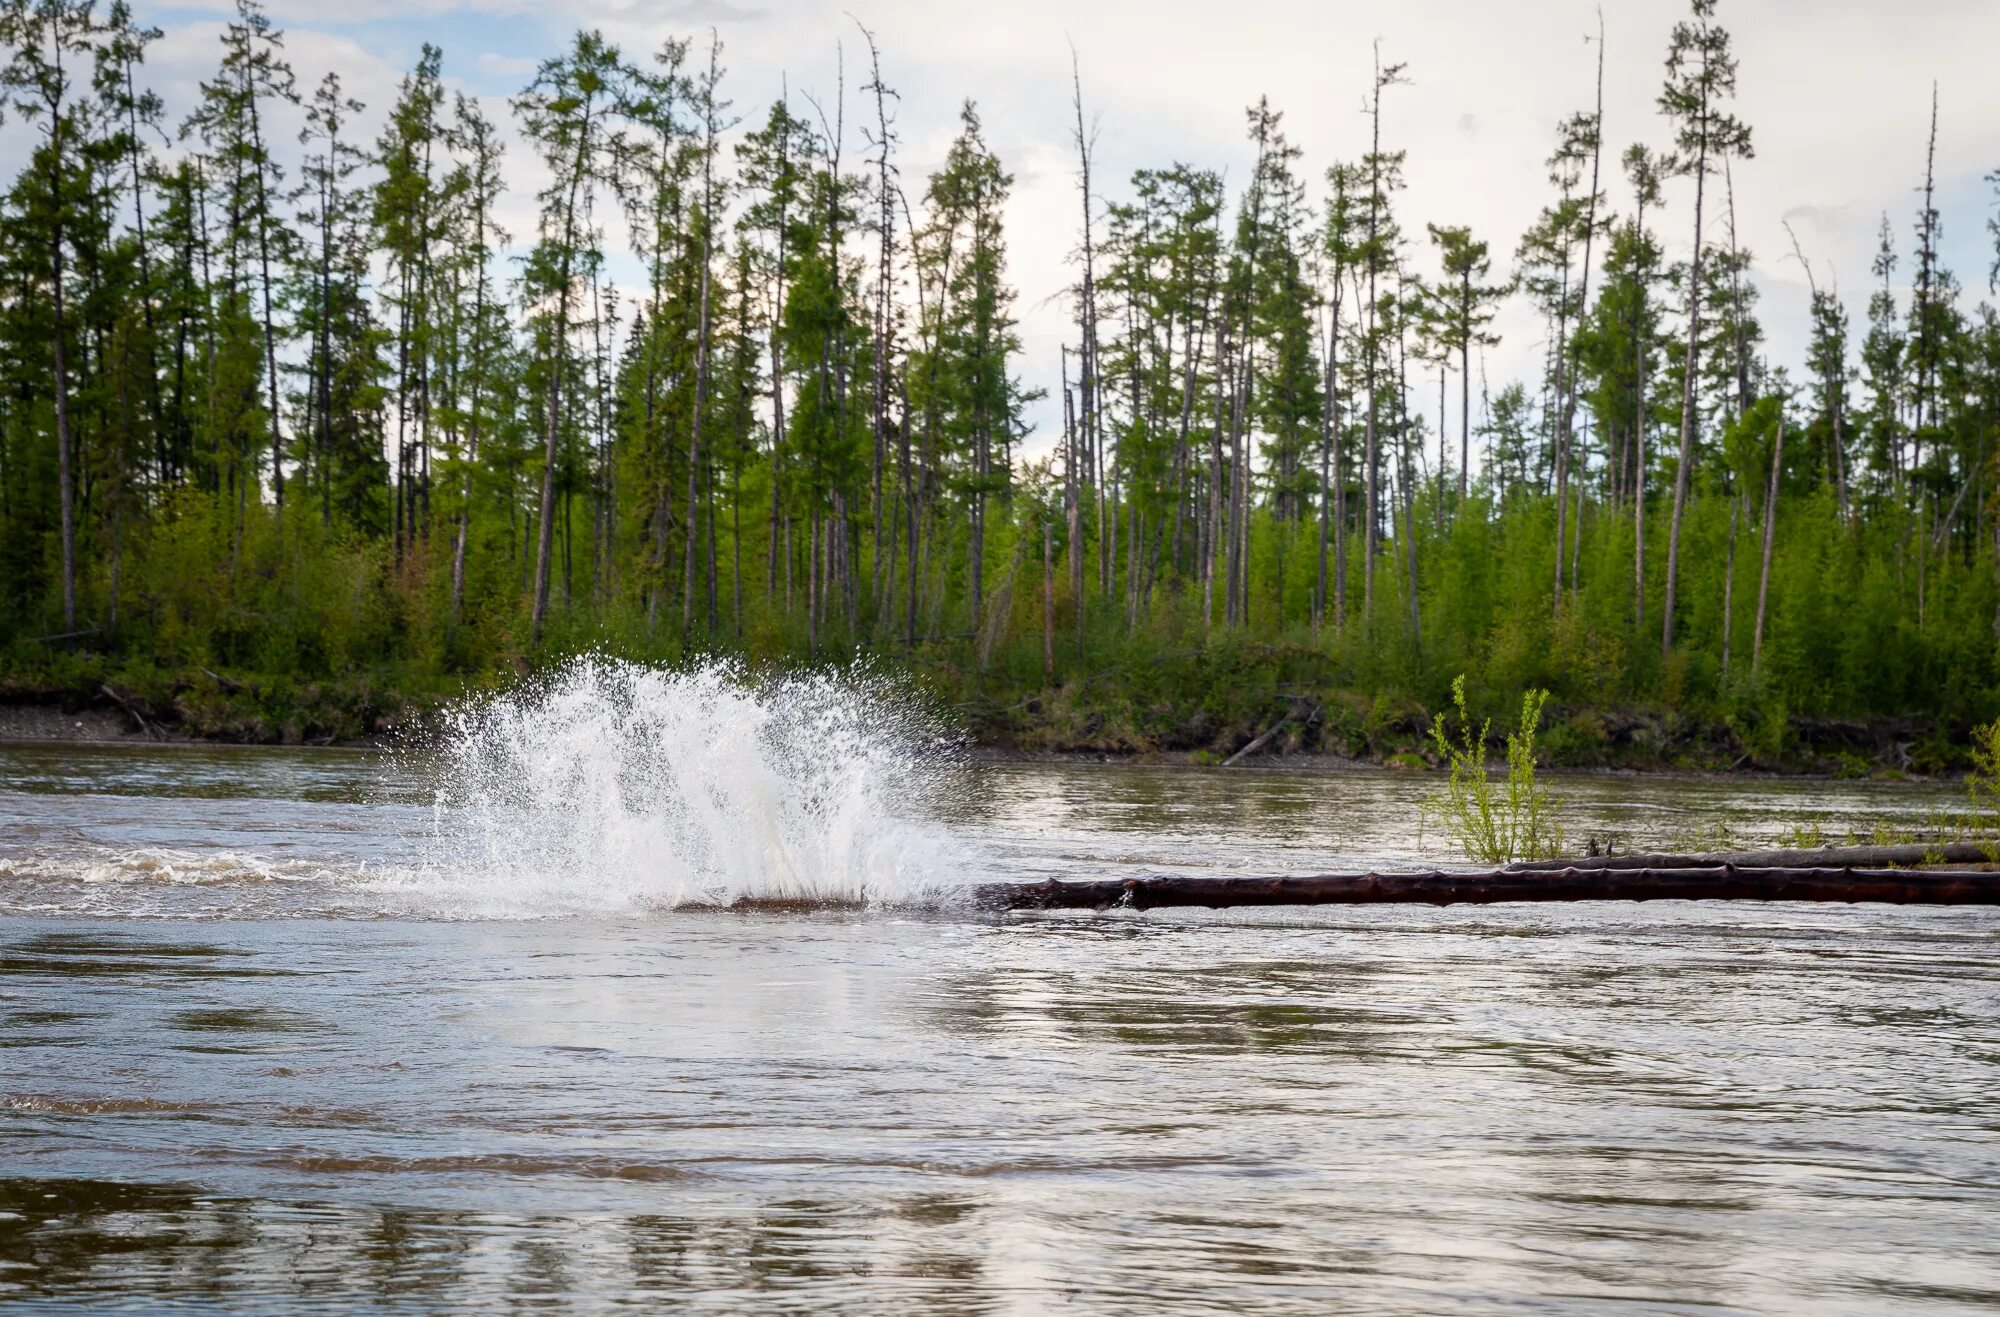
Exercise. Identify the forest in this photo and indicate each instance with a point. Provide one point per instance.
(295, 436)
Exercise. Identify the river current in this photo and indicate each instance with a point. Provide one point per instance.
(287, 1031)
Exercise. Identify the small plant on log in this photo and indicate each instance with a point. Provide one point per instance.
(1494, 821)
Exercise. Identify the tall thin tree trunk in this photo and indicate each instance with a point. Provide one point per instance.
(1329, 440)
(911, 531)
(1770, 534)
(1087, 430)
(1437, 504)
(1073, 501)
(477, 347)
(1574, 368)
(1214, 518)
(1729, 581)
(884, 564)
(545, 523)
(145, 273)
(701, 342)
(1639, 437)
(1371, 464)
(270, 333)
(323, 368)
(1465, 389)
(65, 444)
(1048, 600)
(1561, 423)
(1690, 368)
(1409, 490)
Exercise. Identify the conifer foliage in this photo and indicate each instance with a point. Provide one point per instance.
(753, 383)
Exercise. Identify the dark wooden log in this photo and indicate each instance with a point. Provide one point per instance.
(1444, 887)
(1819, 857)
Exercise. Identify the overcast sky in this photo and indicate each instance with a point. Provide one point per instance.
(1837, 93)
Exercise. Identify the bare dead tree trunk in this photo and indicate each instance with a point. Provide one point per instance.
(1087, 429)
(884, 563)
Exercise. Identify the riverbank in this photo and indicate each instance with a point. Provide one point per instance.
(204, 706)
(1180, 714)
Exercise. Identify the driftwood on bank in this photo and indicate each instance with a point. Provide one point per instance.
(1568, 883)
(1306, 712)
(1257, 743)
(132, 710)
(1819, 857)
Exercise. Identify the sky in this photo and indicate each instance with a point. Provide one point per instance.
(1837, 93)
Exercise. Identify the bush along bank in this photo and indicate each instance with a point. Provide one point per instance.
(1209, 707)
(199, 704)
(1280, 704)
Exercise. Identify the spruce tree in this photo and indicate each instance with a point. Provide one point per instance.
(406, 205)
(49, 44)
(339, 451)
(1467, 305)
(252, 78)
(1701, 77)
(566, 112)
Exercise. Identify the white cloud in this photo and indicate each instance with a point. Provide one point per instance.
(518, 67)
(310, 13)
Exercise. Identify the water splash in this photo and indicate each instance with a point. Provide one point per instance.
(105, 866)
(610, 786)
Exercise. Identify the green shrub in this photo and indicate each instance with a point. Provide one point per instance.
(1983, 783)
(1494, 822)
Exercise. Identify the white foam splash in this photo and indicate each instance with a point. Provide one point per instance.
(610, 786)
(103, 866)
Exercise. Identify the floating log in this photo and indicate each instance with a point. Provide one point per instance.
(1493, 886)
(1818, 857)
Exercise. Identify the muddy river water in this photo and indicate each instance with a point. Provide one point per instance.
(284, 1032)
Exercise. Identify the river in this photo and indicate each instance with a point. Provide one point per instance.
(263, 1052)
